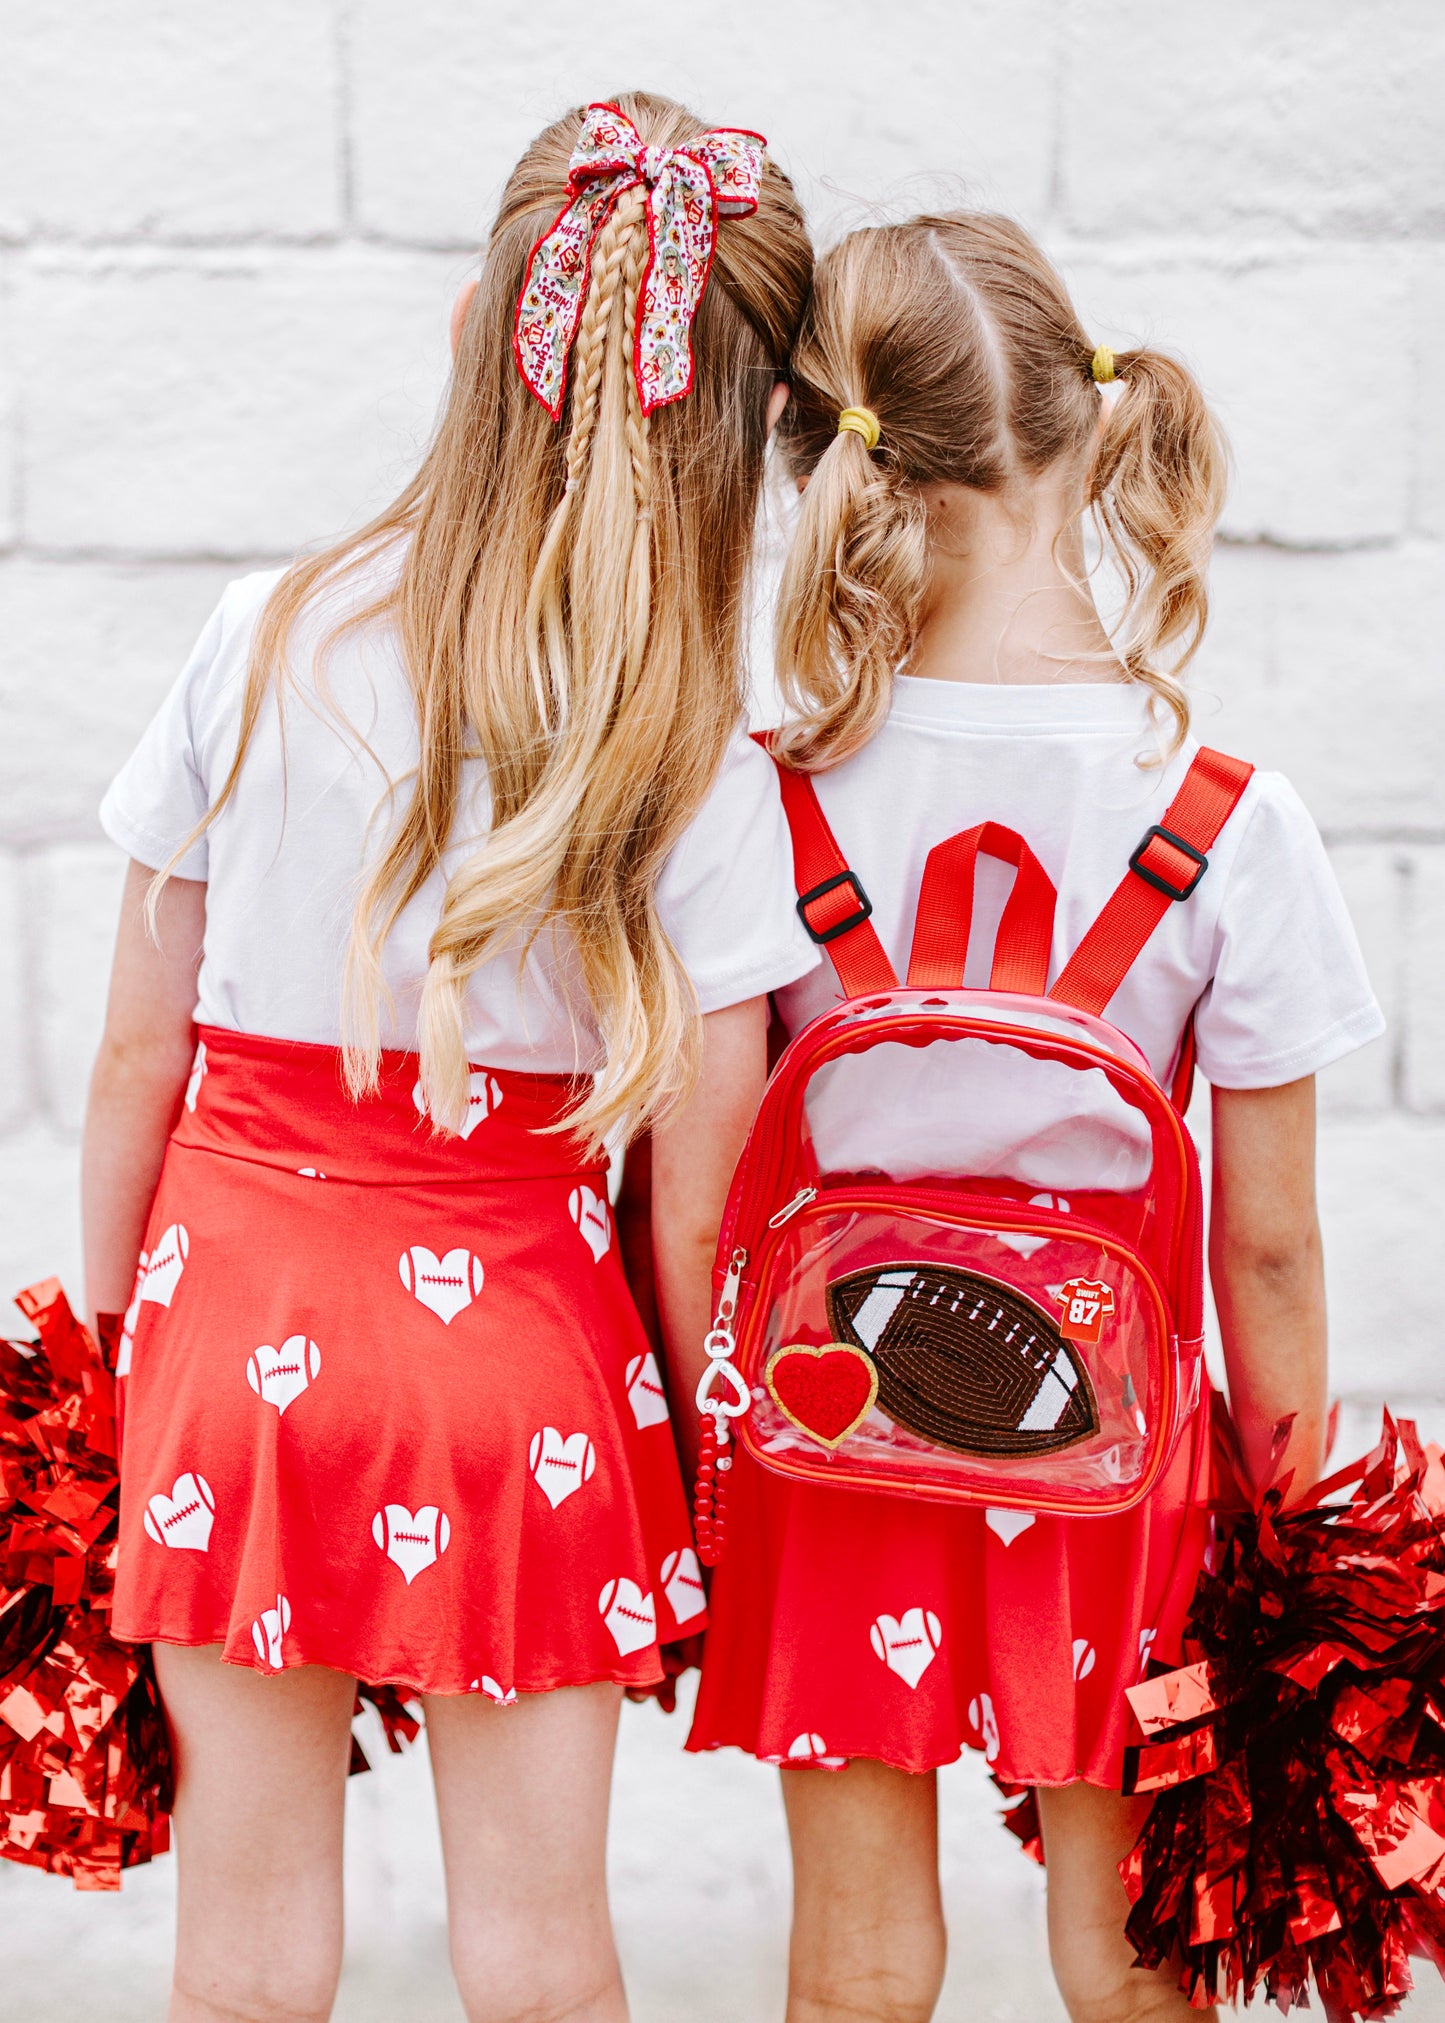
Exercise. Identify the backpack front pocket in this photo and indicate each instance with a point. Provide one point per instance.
(974, 1352)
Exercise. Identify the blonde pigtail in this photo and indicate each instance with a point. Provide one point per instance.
(849, 602)
(983, 379)
(1156, 487)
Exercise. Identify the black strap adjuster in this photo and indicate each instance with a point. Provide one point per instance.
(1155, 878)
(849, 921)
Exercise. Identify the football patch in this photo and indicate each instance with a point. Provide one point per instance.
(964, 1360)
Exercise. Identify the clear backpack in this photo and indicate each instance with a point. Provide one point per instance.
(962, 1256)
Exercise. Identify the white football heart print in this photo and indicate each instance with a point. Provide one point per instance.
(907, 1644)
(1020, 1240)
(630, 1615)
(447, 1285)
(268, 1630)
(594, 1223)
(1085, 1657)
(128, 1325)
(484, 1096)
(494, 1692)
(813, 1749)
(644, 1391)
(198, 1070)
(1008, 1524)
(184, 1518)
(281, 1375)
(682, 1584)
(984, 1722)
(560, 1467)
(412, 1539)
(165, 1265)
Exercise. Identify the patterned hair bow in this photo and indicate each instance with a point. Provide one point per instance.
(688, 189)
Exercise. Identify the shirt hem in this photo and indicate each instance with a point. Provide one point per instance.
(755, 981)
(1346, 1036)
(149, 849)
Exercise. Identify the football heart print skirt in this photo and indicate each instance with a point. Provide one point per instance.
(387, 1405)
(848, 1623)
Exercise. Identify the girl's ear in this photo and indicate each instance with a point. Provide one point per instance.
(777, 401)
(459, 310)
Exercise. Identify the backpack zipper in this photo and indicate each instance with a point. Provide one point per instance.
(800, 1200)
(943, 1207)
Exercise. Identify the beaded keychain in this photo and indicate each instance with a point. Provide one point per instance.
(709, 1503)
(714, 1461)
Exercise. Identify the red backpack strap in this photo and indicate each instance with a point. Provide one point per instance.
(832, 904)
(1168, 864)
(945, 914)
(1182, 1087)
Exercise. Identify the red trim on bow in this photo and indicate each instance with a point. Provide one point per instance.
(729, 163)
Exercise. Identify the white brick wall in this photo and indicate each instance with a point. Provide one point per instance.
(228, 239)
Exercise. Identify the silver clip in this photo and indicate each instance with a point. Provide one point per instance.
(800, 1200)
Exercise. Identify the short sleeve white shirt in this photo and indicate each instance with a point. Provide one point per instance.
(326, 779)
(1263, 952)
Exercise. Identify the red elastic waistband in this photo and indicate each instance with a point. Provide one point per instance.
(284, 1103)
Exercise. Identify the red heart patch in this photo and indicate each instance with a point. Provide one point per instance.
(827, 1392)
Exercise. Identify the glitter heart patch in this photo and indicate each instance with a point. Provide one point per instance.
(826, 1392)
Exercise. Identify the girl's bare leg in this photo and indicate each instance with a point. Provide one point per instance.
(522, 1796)
(1087, 1833)
(868, 1937)
(260, 1792)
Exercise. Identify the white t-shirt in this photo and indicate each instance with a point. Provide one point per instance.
(1263, 951)
(326, 778)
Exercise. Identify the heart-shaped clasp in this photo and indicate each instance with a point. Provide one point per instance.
(731, 1407)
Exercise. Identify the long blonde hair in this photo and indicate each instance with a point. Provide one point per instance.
(960, 336)
(570, 605)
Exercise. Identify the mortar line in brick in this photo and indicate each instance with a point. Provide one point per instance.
(1399, 1038)
(1054, 193)
(222, 242)
(1423, 837)
(1363, 544)
(345, 106)
(1227, 251)
(14, 506)
(32, 1081)
(1416, 516)
(30, 839)
(219, 241)
(147, 558)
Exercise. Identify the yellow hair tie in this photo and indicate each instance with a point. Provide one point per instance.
(1102, 367)
(861, 421)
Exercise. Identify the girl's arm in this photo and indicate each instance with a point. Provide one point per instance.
(138, 1080)
(1267, 1268)
(693, 1155)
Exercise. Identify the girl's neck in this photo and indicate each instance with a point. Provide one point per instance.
(1007, 599)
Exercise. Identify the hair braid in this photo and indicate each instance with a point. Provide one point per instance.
(545, 615)
(568, 602)
(619, 246)
(639, 449)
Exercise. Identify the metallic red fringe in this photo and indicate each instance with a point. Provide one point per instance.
(1298, 1834)
(85, 1767)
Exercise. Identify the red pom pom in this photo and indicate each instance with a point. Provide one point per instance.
(1298, 1834)
(85, 1767)
(85, 1773)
